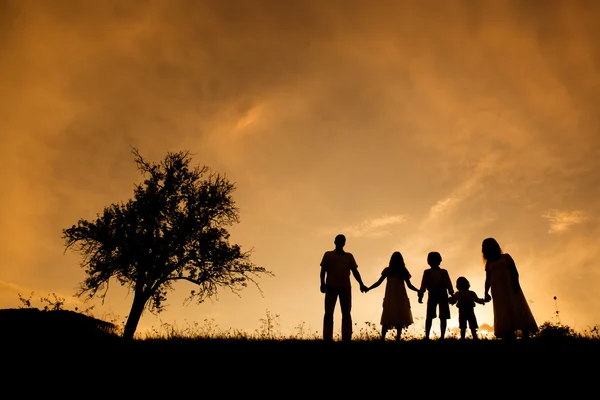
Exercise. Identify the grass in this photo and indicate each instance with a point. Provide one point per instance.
(57, 322)
(54, 320)
(89, 355)
(65, 344)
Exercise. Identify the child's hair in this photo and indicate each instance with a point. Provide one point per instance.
(434, 258)
(462, 283)
(397, 263)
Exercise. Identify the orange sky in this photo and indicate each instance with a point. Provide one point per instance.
(413, 126)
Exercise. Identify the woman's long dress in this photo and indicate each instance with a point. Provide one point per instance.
(511, 311)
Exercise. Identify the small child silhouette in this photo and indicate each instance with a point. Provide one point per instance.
(465, 300)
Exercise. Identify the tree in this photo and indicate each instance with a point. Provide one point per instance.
(174, 229)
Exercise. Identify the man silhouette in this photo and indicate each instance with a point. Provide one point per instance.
(336, 266)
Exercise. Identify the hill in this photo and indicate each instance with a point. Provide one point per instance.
(78, 345)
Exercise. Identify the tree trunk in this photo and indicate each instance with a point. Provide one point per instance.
(139, 302)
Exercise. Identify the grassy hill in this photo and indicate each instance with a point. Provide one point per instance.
(66, 343)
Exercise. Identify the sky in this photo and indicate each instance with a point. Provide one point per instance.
(409, 126)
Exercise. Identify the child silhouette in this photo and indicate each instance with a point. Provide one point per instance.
(436, 281)
(465, 300)
(396, 305)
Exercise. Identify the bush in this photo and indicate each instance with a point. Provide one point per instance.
(556, 331)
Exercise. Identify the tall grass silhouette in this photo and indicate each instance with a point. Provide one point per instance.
(52, 315)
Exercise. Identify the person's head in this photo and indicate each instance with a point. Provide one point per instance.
(434, 259)
(339, 241)
(462, 283)
(397, 259)
(490, 249)
(397, 265)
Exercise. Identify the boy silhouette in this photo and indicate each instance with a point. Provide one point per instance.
(436, 281)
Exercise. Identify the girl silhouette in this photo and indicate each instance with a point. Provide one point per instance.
(396, 305)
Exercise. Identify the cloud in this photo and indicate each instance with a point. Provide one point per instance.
(250, 118)
(9, 286)
(441, 206)
(562, 221)
(374, 227)
(465, 189)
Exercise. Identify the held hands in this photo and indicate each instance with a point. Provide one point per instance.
(420, 297)
(452, 300)
(487, 298)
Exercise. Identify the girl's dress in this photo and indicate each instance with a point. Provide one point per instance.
(511, 311)
(396, 306)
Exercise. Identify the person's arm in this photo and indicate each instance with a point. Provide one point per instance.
(477, 299)
(410, 285)
(376, 284)
(323, 272)
(359, 279)
(487, 296)
(449, 286)
(423, 287)
(355, 273)
(452, 299)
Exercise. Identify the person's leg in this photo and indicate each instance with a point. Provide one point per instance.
(473, 326)
(331, 296)
(430, 314)
(443, 324)
(399, 332)
(444, 313)
(384, 331)
(346, 306)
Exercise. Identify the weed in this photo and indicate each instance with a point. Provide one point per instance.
(556, 331)
(55, 303)
(270, 328)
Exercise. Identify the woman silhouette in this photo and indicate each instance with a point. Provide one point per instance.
(511, 311)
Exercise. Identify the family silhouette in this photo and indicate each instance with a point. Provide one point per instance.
(511, 311)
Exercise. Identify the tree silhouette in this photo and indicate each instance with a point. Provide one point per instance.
(172, 230)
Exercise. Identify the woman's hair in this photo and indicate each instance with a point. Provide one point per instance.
(490, 249)
(462, 283)
(397, 263)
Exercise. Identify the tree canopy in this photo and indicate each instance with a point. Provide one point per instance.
(173, 229)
